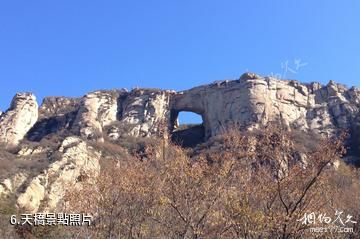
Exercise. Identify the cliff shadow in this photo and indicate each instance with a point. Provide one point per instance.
(56, 124)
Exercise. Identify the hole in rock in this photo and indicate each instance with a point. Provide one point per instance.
(188, 129)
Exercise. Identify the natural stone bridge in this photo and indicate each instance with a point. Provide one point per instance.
(245, 103)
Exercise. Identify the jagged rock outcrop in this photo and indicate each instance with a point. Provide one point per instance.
(245, 103)
(58, 106)
(12, 184)
(33, 151)
(253, 100)
(142, 112)
(147, 112)
(18, 119)
(97, 110)
(56, 115)
(78, 162)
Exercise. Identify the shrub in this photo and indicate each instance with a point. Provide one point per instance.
(234, 192)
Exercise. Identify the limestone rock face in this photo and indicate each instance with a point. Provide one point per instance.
(97, 110)
(12, 184)
(253, 100)
(141, 112)
(26, 151)
(146, 112)
(246, 103)
(18, 120)
(57, 106)
(56, 115)
(78, 161)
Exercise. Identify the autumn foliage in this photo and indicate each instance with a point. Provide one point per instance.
(256, 185)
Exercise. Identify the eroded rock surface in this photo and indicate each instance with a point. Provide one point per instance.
(147, 112)
(18, 119)
(56, 115)
(78, 161)
(11, 185)
(246, 103)
(253, 100)
(57, 106)
(97, 110)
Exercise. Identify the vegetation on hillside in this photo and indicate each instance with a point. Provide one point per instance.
(253, 186)
(238, 185)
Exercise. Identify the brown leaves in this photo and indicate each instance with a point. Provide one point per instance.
(236, 192)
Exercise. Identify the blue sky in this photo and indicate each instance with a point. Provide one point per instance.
(68, 48)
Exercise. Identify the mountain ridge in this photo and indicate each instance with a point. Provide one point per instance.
(62, 135)
(246, 103)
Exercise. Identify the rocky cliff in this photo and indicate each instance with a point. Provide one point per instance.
(245, 103)
(253, 100)
(18, 119)
(78, 161)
